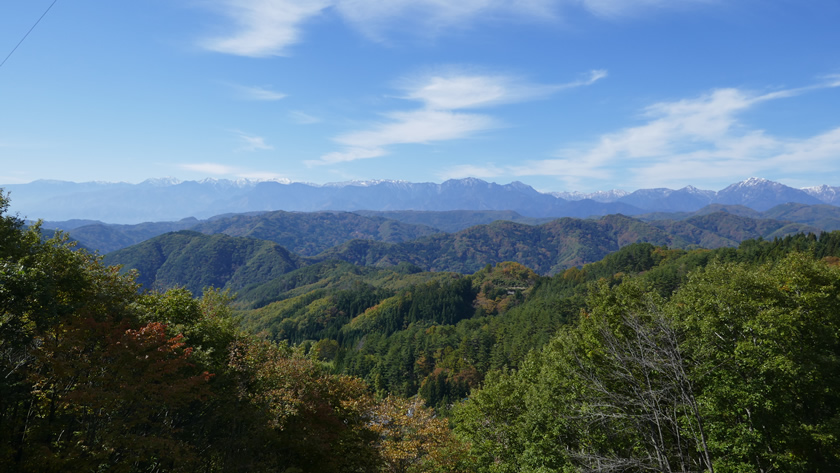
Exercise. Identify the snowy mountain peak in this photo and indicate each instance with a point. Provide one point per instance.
(599, 196)
(825, 193)
(161, 181)
(755, 182)
(172, 199)
(761, 194)
(242, 183)
(364, 183)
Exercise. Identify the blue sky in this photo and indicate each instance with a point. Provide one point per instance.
(563, 95)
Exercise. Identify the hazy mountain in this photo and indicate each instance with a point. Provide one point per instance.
(590, 208)
(172, 200)
(825, 217)
(196, 260)
(453, 220)
(685, 199)
(546, 248)
(559, 244)
(821, 217)
(106, 238)
(599, 196)
(719, 229)
(305, 233)
(311, 233)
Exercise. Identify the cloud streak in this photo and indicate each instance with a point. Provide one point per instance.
(209, 168)
(265, 28)
(217, 169)
(443, 97)
(303, 118)
(258, 93)
(456, 90)
(701, 137)
(251, 142)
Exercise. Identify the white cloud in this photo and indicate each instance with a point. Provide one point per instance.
(217, 169)
(470, 170)
(263, 27)
(697, 138)
(441, 95)
(450, 90)
(210, 168)
(428, 17)
(349, 154)
(832, 80)
(820, 150)
(303, 118)
(258, 93)
(263, 176)
(419, 126)
(621, 8)
(251, 142)
(461, 91)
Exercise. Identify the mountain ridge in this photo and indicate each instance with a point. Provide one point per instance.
(172, 199)
(195, 260)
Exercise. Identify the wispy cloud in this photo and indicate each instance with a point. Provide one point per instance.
(621, 8)
(376, 18)
(210, 168)
(264, 28)
(216, 169)
(303, 118)
(263, 176)
(452, 90)
(470, 170)
(251, 142)
(419, 126)
(832, 80)
(442, 96)
(258, 93)
(699, 137)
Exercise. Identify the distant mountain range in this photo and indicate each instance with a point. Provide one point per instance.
(159, 200)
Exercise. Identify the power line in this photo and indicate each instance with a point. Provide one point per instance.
(27, 33)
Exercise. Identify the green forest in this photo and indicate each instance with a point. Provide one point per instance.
(652, 357)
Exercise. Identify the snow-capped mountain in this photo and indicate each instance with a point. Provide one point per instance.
(599, 196)
(761, 194)
(170, 199)
(825, 193)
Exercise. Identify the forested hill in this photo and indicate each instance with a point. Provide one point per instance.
(453, 220)
(497, 315)
(303, 233)
(546, 248)
(194, 260)
(559, 244)
(311, 233)
(452, 340)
